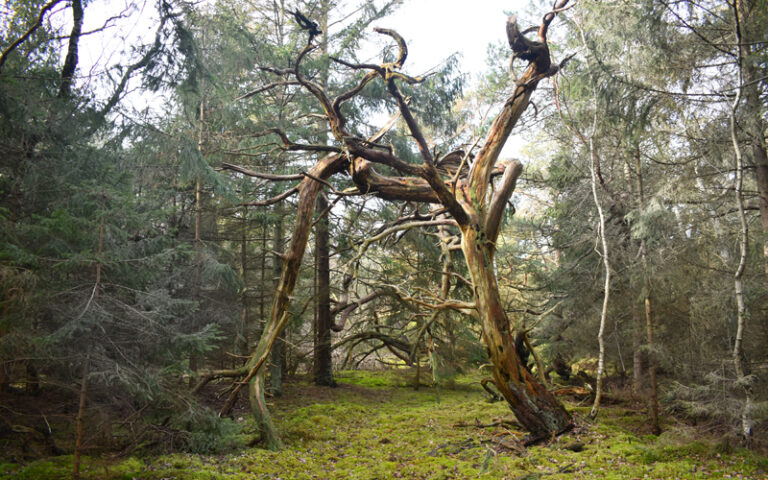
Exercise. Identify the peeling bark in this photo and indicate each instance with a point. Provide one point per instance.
(467, 202)
(534, 406)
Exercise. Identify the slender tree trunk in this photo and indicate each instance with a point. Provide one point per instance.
(653, 396)
(445, 290)
(308, 191)
(81, 415)
(241, 342)
(536, 358)
(739, 361)
(198, 244)
(87, 363)
(653, 389)
(322, 364)
(607, 285)
(637, 355)
(589, 142)
(751, 32)
(198, 238)
(263, 276)
(637, 326)
(277, 366)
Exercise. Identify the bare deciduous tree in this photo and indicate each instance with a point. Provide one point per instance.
(467, 196)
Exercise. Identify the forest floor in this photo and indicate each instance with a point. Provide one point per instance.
(374, 425)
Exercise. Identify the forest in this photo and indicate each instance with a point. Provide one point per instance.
(249, 240)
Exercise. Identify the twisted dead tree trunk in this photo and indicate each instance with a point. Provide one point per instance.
(467, 197)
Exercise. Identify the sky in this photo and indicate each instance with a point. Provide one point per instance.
(433, 29)
(436, 29)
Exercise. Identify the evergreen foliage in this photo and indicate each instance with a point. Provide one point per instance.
(140, 254)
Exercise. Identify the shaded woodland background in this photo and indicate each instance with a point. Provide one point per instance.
(140, 243)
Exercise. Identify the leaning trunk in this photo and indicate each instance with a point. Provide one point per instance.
(279, 317)
(269, 436)
(535, 407)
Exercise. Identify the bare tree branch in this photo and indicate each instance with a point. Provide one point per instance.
(273, 200)
(265, 88)
(264, 176)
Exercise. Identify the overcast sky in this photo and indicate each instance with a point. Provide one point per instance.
(436, 29)
(433, 29)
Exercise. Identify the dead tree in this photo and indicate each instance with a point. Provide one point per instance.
(475, 208)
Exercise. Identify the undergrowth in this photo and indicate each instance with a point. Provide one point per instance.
(376, 426)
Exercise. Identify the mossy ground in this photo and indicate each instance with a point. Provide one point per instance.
(376, 426)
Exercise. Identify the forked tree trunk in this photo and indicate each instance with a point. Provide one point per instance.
(478, 218)
(480, 222)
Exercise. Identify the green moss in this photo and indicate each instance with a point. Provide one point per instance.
(126, 469)
(48, 469)
(371, 427)
(386, 378)
(9, 468)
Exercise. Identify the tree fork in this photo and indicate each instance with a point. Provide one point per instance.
(535, 407)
